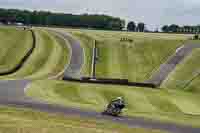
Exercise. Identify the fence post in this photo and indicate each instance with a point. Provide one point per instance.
(94, 59)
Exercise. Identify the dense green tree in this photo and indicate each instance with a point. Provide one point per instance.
(165, 28)
(141, 27)
(173, 28)
(131, 26)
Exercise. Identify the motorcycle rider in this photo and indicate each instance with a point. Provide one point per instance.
(118, 103)
(115, 107)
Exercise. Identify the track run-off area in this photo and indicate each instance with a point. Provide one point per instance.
(12, 92)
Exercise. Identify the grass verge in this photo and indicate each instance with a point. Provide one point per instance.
(48, 59)
(13, 40)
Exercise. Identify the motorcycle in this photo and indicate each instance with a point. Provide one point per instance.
(112, 110)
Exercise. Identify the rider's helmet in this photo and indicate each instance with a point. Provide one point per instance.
(119, 98)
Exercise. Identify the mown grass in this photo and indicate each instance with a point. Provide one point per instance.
(48, 58)
(14, 120)
(13, 40)
(135, 60)
(186, 75)
(165, 105)
(113, 60)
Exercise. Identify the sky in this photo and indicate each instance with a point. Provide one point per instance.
(154, 13)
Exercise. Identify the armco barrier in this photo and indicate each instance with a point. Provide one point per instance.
(124, 82)
(21, 63)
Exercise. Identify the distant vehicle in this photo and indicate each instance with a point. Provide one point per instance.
(115, 107)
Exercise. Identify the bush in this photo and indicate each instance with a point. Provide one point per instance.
(196, 37)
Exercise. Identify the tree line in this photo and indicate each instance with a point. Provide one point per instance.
(45, 18)
(181, 29)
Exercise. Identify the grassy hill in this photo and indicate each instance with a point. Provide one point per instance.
(186, 76)
(13, 40)
(48, 58)
(27, 121)
(135, 60)
(166, 105)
